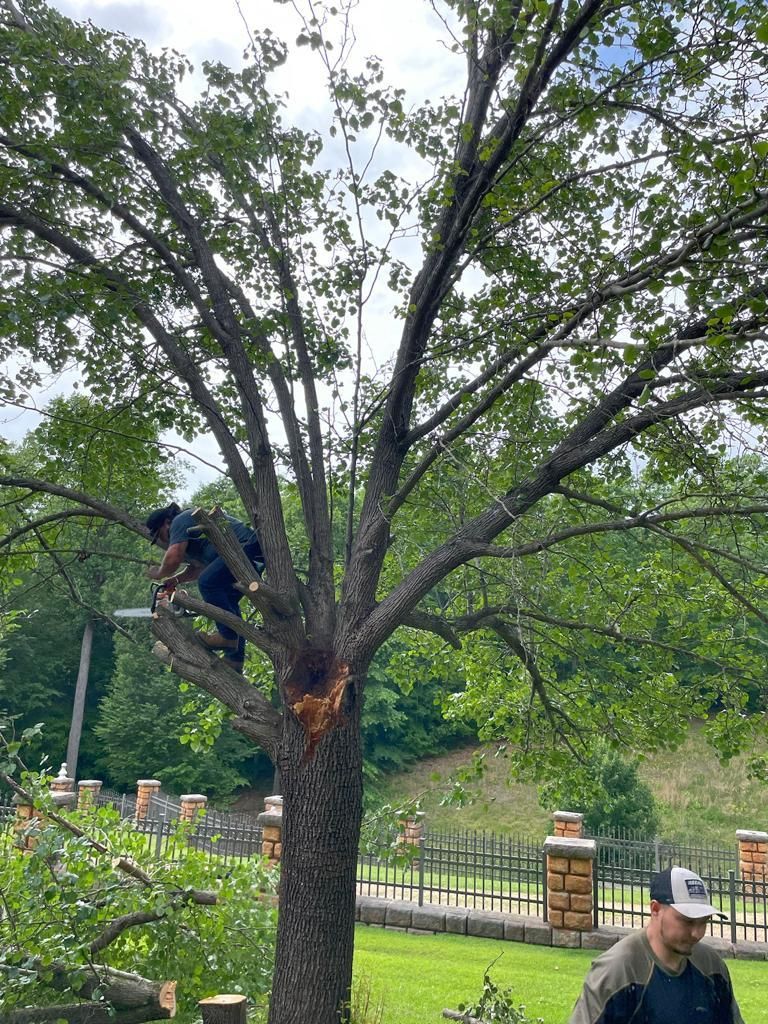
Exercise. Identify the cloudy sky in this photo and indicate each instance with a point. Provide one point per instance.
(406, 34)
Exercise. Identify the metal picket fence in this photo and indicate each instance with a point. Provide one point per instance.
(625, 864)
(481, 870)
(227, 837)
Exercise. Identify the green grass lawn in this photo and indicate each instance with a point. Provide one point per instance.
(416, 976)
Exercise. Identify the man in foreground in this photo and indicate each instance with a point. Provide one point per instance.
(661, 975)
(186, 543)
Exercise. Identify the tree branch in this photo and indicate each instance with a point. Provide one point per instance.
(269, 602)
(184, 365)
(557, 717)
(54, 517)
(98, 507)
(193, 662)
(590, 439)
(254, 634)
(644, 520)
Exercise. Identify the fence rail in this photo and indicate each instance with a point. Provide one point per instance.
(622, 874)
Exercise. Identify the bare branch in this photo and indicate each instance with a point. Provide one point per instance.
(266, 600)
(98, 507)
(54, 517)
(644, 520)
(254, 634)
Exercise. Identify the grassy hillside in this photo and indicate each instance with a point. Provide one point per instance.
(698, 798)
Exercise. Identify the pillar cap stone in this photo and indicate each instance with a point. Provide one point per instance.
(564, 846)
(89, 783)
(193, 797)
(63, 779)
(268, 819)
(747, 836)
(64, 799)
(567, 816)
(149, 782)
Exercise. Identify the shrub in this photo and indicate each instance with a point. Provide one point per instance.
(606, 788)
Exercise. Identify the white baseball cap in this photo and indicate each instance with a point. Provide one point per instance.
(685, 892)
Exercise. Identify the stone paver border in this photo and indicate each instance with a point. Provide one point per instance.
(434, 920)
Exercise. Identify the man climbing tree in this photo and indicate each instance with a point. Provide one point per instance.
(186, 545)
(572, 356)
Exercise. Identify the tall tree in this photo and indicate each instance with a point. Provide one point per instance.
(590, 292)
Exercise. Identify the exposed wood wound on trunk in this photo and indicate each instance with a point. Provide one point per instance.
(315, 693)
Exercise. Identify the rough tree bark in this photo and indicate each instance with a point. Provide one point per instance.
(126, 998)
(322, 799)
(224, 1009)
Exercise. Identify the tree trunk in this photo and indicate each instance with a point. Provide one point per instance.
(78, 708)
(84, 1013)
(322, 801)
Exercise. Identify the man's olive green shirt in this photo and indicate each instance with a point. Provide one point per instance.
(629, 985)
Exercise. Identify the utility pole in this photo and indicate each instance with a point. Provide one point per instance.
(78, 708)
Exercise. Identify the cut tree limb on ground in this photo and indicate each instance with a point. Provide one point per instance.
(127, 999)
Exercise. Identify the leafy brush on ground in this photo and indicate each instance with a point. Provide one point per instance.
(496, 1005)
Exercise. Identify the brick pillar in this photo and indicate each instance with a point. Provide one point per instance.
(412, 834)
(271, 821)
(63, 783)
(753, 861)
(569, 886)
(191, 805)
(25, 823)
(568, 824)
(145, 789)
(87, 791)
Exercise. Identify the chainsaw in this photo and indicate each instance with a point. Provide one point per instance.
(162, 594)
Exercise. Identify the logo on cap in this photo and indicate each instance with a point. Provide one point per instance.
(696, 889)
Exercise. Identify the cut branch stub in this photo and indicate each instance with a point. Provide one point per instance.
(224, 1009)
(315, 692)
